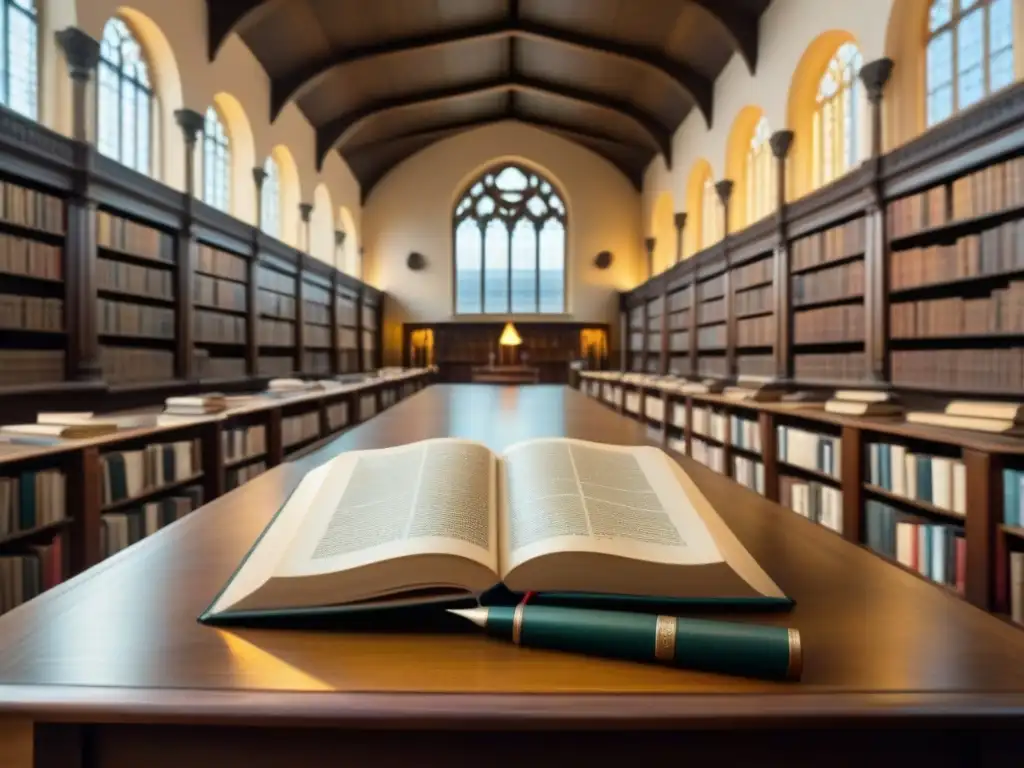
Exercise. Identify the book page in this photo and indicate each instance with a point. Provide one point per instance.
(432, 497)
(571, 495)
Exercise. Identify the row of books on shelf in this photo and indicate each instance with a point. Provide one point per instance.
(113, 275)
(710, 455)
(346, 311)
(830, 366)
(133, 473)
(218, 327)
(712, 311)
(709, 423)
(762, 365)
(937, 552)
(31, 208)
(276, 305)
(833, 284)
(818, 502)
(318, 362)
(124, 318)
(1013, 497)
(756, 332)
(30, 258)
(754, 300)
(29, 573)
(316, 313)
(745, 433)
(117, 233)
(316, 336)
(31, 313)
(299, 428)
(128, 365)
(809, 450)
(749, 473)
(31, 366)
(224, 294)
(214, 261)
(995, 251)
(276, 333)
(208, 366)
(829, 325)
(122, 529)
(935, 480)
(708, 337)
(755, 273)
(990, 190)
(31, 500)
(244, 442)
(1001, 311)
(271, 280)
(965, 370)
(711, 289)
(337, 416)
(846, 240)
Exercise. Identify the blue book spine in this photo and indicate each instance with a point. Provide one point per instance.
(924, 478)
(117, 476)
(884, 465)
(27, 501)
(926, 555)
(1011, 497)
(169, 463)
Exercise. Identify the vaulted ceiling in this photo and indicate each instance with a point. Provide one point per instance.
(381, 79)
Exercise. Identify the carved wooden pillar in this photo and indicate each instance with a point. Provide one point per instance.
(649, 244)
(339, 241)
(781, 142)
(80, 301)
(252, 328)
(680, 222)
(724, 189)
(191, 123)
(875, 75)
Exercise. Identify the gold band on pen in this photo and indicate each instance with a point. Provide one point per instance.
(796, 656)
(665, 638)
(517, 623)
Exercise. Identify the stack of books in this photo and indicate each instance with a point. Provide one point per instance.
(755, 389)
(857, 402)
(53, 427)
(704, 387)
(808, 400)
(196, 405)
(997, 418)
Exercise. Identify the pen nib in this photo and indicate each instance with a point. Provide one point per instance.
(477, 615)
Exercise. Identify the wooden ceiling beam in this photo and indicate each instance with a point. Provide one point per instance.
(741, 28)
(223, 17)
(688, 81)
(334, 134)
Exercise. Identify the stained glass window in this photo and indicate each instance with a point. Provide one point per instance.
(760, 174)
(510, 244)
(837, 118)
(125, 99)
(270, 199)
(19, 38)
(969, 54)
(216, 162)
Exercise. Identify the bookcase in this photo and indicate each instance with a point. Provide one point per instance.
(123, 287)
(679, 308)
(946, 505)
(712, 318)
(31, 286)
(64, 508)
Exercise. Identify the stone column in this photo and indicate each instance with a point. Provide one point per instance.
(82, 363)
(680, 222)
(191, 124)
(339, 242)
(724, 188)
(305, 214)
(781, 142)
(259, 176)
(649, 244)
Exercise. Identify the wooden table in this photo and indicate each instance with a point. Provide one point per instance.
(110, 670)
(505, 374)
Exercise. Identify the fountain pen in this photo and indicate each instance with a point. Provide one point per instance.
(748, 650)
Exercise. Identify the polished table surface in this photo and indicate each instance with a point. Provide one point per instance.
(120, 644)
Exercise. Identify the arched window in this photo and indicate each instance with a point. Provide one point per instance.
(970, 53)
(125, 99)
(837, 116)
(216, 162)
(760, 174)
(510, 244)
(19, 35)
(710, 214)
(270, 199)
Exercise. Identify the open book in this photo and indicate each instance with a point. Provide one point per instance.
(446, 519)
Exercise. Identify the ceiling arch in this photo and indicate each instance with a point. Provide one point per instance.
(381, 80)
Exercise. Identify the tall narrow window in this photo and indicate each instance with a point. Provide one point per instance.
(970, 53)
(510, 244)
(760, 174)
(837, 118)
(19, 36)
(710, 214)
(270, 199)
(216, 162)
(125, 99)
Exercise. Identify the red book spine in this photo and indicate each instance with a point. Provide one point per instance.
(915, 548)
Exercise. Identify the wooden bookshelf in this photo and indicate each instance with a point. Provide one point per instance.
(224, 452)
(869, 505)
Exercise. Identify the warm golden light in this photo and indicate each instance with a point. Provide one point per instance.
(510, 336)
